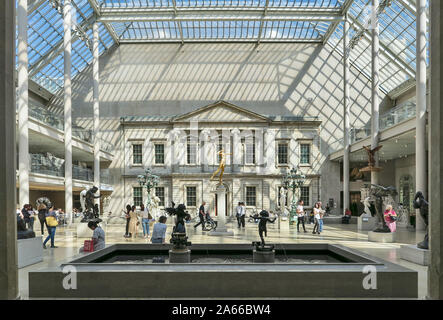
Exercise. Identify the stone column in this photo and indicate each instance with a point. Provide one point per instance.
(375, 106)
(346, 114)
(435, 275)
(67, 45)
(205, 149)
(270, 150)
(23, 152)
(236, 148)
(259, 150)
(421, 141)
(8, 221)
(95, 73)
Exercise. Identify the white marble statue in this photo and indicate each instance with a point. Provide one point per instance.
(154, 208)
(283, 194)
(106, 204)
(367, 204)
(83, 199)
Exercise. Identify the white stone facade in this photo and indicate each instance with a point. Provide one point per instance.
(190, 162)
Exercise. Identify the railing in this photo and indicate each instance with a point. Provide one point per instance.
(42, 114)
(403, 112)
(81, 173)
(48, 164)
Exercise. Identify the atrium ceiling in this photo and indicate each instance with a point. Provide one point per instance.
(258, 21)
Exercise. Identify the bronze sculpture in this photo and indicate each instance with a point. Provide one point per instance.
(421, 204)
(371, 155)
(91, 212)
(264, 219)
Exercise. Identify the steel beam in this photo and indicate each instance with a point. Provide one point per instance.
(56, 50)
(96, 7)
(334, 26)
(220, 40)
(126, 15)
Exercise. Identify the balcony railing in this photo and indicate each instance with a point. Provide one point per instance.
(48, 164)
(397, 115)
(403, 112)
(56, 121)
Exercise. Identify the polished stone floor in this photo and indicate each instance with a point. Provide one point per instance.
(346, 235)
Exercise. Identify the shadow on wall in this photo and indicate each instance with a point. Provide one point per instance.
(170, 79)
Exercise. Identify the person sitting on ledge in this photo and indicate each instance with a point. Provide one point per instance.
(347, 217)
(98, 236)
(22, 232)
(159, 232)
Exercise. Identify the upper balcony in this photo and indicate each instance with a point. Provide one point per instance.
(396, 121)
(46, 134)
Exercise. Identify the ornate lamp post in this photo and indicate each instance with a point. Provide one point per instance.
(150, 181)
(293, 180)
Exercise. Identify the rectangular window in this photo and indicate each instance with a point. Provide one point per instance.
(250, 151)
(137, 154)
(305, 153)
(304, 195)
(160, 193)
(191, 151)
(251, 196)
(282, 153)
(191, 196)
(159, 153)
(138, 196)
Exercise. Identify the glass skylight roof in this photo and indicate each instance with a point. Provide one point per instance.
(45, 43)
(317, 21)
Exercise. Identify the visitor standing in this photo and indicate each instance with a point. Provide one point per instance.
(201, 216)
(51, 223)
(159, 231)
(238, 211)
(128, 218)
(146, 219)
(133, 222)
(316, 210)
(300, 216)
(391, 218)
(322, 213)
(243, 214)
(42, 209)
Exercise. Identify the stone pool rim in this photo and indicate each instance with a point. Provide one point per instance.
(171, 280)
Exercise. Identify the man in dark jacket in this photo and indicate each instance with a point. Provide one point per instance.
(201, 215)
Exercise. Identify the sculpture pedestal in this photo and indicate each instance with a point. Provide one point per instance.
(180, 256)
(415, 255)
(367, 223)
(381, 237)
(30, 251)
(263, 256)
(221, 229)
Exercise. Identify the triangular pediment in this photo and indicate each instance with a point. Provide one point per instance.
(221, 111)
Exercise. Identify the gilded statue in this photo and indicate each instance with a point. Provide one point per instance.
(221, 167)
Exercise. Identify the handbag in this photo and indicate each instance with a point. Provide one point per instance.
(88, 246)
(51, 221)
(393, 218)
